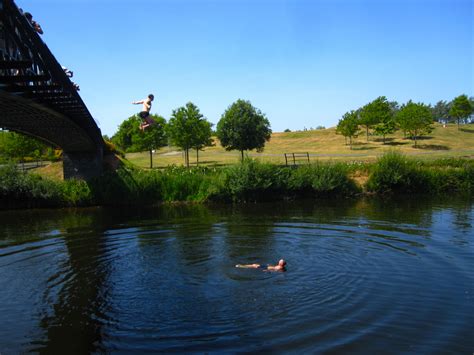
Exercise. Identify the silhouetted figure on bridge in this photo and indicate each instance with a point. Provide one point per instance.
(145, 113)
(33, 23)
(68, 72)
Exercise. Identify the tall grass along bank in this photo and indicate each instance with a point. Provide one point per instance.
(395, 173)
(250, 181)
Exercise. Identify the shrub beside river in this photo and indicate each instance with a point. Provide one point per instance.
(250, 181)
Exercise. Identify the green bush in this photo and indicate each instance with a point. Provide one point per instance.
(322, 179)
(252, 181)
(249, 181)
(111, 148)
(122, 187)
(393, 172)
(182, 184)
(19, 189)
(457, 180)
(76, 193)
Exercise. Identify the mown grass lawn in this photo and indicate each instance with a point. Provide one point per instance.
(327, 145)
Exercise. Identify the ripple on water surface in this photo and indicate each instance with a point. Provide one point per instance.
(353, 283)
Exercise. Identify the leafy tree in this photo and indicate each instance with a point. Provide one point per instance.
(243, 127)
(153, 137)
(348, 126)
(202, 137)
(395, 107)
(376, 112)
(471, 100)
(19, 146)
(461, 108)
(131, 139)
(385, 128)
(440, 111)
(127, 134)
(188, 129)
(416, 119)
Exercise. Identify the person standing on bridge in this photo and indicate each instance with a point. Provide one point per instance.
(145, 113)
(33, 23)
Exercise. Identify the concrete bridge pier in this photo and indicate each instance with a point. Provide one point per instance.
(82, 165)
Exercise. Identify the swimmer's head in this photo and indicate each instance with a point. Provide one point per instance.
(151, 97)
(282, 263)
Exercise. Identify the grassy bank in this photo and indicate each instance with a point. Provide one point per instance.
(325, 144)
(247, 182)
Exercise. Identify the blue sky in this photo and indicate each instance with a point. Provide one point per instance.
(303, 63)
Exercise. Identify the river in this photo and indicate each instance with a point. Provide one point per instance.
(363, 276)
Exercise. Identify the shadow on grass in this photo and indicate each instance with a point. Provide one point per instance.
(381, 140)
(420, 138)
(363, 148)
(432, 147)
(467, 130)
(396, 143)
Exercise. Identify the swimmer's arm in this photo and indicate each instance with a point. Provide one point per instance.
(137, 102)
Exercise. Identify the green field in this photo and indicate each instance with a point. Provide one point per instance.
(326, 145)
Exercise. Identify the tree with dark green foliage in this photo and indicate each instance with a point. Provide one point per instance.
(18, 146)
(243, 127)
(415, 118)
(394, 106)
(127, 133)
(187, 128)
(202, 137)
(377, 114)
(348, 126)
(461, 108)
(471, 101)
(131, 139)
(153, 137)
(440, 111)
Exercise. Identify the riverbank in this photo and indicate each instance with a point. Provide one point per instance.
(251, 181)
(324, 144)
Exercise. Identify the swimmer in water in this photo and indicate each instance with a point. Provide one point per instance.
(281, 266)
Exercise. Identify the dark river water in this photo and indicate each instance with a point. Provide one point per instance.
(363, 276)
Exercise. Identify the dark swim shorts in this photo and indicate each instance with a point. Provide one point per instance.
(144, 114)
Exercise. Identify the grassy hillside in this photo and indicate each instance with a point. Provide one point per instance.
(325, 144)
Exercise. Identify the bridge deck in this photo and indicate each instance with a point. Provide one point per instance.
(36, 96)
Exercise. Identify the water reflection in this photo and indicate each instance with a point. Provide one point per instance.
(364, 275)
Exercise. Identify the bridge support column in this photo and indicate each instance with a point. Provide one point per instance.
(82, 165)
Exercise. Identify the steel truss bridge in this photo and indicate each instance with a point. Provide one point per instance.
(38, 99)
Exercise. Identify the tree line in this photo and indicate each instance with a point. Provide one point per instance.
(20, 148)
(241, 127)
(383, 117)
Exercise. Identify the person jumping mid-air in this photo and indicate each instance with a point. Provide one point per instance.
(281, 266)
(145, 113)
